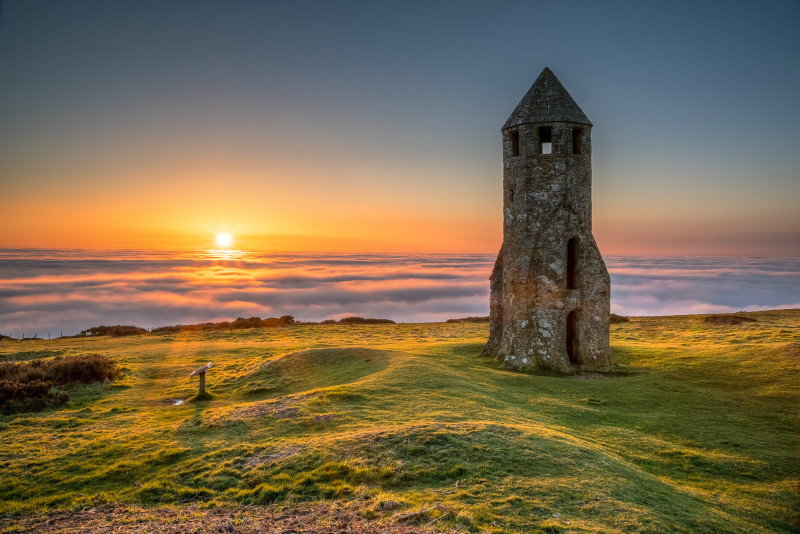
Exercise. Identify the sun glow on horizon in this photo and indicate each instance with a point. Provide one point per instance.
(223, 240)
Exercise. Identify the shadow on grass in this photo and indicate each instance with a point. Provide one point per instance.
(619, 370)
(203, 396)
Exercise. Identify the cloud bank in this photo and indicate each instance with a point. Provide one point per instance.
(68, 291)
(48, 291)
(680, 285)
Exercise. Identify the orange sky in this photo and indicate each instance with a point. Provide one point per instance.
(125, 126)
(274, 207)
(182, 207)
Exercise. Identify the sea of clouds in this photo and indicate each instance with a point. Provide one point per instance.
(49, 292)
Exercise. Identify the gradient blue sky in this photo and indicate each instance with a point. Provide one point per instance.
(374, 126)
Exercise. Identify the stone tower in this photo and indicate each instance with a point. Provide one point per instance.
(550, 289)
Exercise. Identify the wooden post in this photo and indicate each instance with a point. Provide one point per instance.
(200, 372)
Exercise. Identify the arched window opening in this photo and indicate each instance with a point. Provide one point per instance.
(572, 262)
(572, 337)
(515, 143)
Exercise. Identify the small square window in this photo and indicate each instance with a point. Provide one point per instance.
(545, 139)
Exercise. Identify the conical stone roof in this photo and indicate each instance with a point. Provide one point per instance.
(546, 101)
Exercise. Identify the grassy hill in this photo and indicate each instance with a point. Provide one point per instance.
(695, 431)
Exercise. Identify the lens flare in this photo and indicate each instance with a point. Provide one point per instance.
(224, 240)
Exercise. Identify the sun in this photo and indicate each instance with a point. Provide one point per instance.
(224, 240)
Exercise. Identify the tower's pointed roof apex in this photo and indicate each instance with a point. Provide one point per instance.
(546, 101)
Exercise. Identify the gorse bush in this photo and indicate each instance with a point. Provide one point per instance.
(115, 331)
(34, 385)
(728, 319)
(470, 319)
(240, 323)
(362, 320)
(348, 320)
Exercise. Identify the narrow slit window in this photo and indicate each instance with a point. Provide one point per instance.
(572, 337)
(515, 143)
(572, 261)
(546, 140)
(577, 140)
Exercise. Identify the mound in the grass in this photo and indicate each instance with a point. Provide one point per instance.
(312, 369)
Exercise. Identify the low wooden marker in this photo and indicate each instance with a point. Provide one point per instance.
(201, 372)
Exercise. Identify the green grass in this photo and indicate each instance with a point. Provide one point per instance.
(695, 431)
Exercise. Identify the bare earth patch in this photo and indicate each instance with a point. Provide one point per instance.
(283, 408)
(321, 518)
(272, 457)
(587, 376)
(793, 350)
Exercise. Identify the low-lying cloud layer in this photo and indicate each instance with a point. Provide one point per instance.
(52, 292)
(68, 291)
(676, 285)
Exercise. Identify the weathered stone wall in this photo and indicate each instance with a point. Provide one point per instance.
(547, 203)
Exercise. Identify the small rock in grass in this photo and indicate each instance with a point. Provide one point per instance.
(285, 413)
(389, 505)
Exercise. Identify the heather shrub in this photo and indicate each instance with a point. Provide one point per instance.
(29, 396)
(64, 370)
(35, 385)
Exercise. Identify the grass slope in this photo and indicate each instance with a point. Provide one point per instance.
(696, 431)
